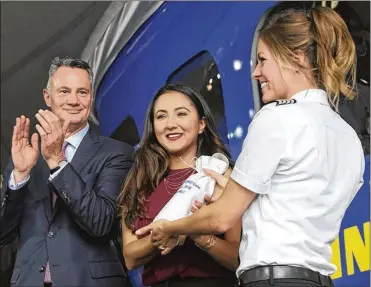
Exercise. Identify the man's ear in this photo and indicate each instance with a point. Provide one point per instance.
(201, 125)
(47, 98)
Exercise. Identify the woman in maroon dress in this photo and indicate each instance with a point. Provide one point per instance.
(178, 128)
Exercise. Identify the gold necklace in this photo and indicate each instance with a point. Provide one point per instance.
(174, 185)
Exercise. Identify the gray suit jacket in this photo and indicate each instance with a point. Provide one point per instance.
(76, 234)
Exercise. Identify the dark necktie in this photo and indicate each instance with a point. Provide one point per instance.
(47, 277)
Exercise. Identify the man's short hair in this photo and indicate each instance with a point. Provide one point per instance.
(68, 62)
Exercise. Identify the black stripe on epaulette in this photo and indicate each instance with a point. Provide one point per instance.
(285, 102)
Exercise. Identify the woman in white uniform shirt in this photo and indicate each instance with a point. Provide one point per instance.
(301, 163)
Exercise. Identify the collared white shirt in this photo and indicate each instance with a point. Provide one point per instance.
(74, 142)
(306, 164)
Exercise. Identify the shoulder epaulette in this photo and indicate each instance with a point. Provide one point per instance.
(285, 102)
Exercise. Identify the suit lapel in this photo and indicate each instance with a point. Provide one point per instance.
(86, 150)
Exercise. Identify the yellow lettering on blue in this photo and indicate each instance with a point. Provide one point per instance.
(336, 258)
(357, 248)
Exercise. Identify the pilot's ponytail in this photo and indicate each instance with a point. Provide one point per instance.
(336, 54)
(322, 35)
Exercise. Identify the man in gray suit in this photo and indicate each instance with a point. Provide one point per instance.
(62, 203)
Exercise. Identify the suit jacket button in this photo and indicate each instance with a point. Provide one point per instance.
(41, 269)
(50, 234)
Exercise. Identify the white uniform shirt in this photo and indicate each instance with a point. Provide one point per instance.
(306, 164)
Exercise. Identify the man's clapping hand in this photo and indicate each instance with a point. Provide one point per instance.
(52, 132)
(24, 153)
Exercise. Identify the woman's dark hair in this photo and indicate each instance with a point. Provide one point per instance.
(151, 161)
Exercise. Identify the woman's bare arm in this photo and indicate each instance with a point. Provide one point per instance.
(225, 251)
(137, 252)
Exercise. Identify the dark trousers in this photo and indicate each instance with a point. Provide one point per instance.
(197, 282)
(284, 283)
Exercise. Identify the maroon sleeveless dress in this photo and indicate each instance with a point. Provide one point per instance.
(183, 261)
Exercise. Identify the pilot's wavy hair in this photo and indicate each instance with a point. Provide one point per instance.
(151, 160)
(322, 35)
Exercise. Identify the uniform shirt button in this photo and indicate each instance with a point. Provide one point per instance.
(41, 269)
(50, 234)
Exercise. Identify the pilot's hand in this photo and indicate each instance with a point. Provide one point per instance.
(221, 182)
(159, 236)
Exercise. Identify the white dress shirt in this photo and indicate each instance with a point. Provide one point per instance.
(74, 142)
(306, 164)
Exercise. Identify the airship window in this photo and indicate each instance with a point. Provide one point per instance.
(202, 74)
(127, 132)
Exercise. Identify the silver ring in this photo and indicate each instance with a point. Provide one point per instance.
(161, 247)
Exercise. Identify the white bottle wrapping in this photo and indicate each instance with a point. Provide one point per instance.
(194, 188)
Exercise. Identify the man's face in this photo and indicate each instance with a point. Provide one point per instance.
(70, 97)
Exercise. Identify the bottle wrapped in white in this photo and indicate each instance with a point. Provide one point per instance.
(194, 188)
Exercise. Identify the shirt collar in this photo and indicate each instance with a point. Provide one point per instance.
(312, 95)
(76, 139)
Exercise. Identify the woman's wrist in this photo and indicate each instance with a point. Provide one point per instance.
(206, 242)
(199, 240)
